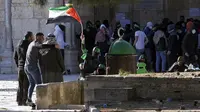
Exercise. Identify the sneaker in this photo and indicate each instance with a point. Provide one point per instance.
(68, 72)
(19, 103)
(30, 103)
(81, 79)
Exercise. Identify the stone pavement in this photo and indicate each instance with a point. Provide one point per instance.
(8, 89)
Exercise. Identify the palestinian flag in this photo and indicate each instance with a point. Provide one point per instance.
(63, 14)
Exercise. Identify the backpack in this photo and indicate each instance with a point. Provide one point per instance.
(161, 46)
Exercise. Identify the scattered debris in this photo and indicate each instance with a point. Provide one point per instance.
(159, 110)
(182, 107)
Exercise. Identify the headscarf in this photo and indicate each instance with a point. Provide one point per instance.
(189, 26)
(100, 37)
(150, 25)
(51, 40)
(171, 28)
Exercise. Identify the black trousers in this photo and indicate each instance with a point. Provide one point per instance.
(23, 84)
(62, 53)
(171, 59)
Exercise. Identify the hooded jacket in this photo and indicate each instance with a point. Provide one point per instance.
(50, 59)
(159, 36)
(60, 37)
(190, 43)
(150, 33)
(174, 43)
(20, 53)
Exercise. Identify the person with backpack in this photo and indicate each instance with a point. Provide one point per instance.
(160, 42)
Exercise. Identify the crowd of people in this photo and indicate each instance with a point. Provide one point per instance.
(166, 46)
(39, 60)
(161, 44)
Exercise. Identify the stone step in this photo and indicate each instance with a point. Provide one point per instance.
(114, 94)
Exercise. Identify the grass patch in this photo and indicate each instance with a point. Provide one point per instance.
(123, 72)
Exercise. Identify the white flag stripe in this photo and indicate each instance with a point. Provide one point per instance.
(54, 14)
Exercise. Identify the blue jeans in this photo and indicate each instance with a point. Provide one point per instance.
(34, 77)
(160, 56)
(139, 52)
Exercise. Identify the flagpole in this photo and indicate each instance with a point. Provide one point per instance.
(81, 29)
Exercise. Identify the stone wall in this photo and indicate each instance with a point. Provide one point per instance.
(141, 11)
(26, 16)
(175, 86)
(2, 27)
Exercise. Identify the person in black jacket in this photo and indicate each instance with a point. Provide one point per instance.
(173, 45)
(190, 44)
(20, 57)
(128, 33)
(115, 34)
(51, 61)
(90, 34)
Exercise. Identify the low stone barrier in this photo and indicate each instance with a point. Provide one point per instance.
(176, 86)
(59, 95)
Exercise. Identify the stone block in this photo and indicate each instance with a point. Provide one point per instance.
(21, 5)
(1, 15)
(20, 1)
(59, 95)
(34, 25)
(46, 29)
(150, 4)
(39, 12)
(115, 94)
(2, 4)
(42, 97)
(71, 93)
(22, 12)
(21, 26)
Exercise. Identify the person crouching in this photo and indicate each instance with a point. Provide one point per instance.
(178, 66)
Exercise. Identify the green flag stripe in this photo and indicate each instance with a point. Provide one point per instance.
(60, 8)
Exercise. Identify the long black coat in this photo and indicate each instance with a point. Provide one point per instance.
(51, 64)
(190, 43)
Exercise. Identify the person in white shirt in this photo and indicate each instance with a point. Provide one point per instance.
(60, 39)
(140, 41)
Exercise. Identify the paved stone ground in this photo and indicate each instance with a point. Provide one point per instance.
(8, 89)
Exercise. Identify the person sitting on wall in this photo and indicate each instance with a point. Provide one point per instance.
(101, 70)
(178, 66)
(91, 62)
